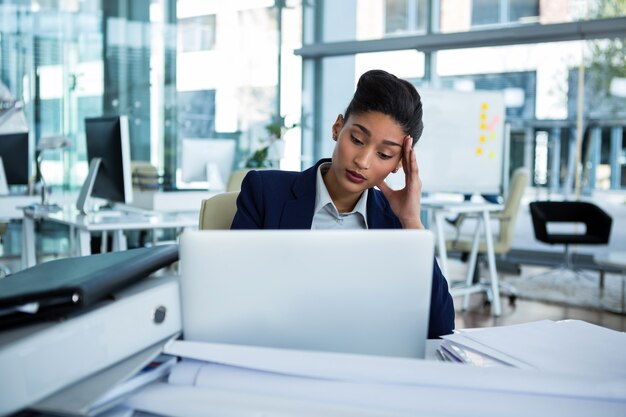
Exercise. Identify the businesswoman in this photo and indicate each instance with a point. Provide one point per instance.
(374, 137)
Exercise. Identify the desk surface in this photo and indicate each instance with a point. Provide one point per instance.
(170, 201)
(460, 206)
(117, 219)
(615, 259)
(11, 205)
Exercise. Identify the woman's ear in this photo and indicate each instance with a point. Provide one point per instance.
(337, 126)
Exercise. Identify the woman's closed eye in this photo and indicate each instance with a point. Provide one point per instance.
(384, 156)
(356, 140)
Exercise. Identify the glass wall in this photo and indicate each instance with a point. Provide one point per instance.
(539, 80)
(178, 69)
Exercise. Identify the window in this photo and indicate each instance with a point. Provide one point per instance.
(405, 16)
(196, 33)
(491, 12)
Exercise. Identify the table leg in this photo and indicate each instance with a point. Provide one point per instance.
(496, 308)
(119, 241)
(28, 242)
(441, 242)
(104, 242)
(72, 241)
(84, 242)
(471, 265)
(623, 285)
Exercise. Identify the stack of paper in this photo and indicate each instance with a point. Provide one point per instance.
(570, 347)
(104, 391)
(216, 379)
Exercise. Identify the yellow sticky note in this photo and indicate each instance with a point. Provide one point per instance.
(492, 155)
(484, 106)
(479, 151)
(482, 138)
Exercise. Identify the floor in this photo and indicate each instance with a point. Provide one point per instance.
(479, 315)
(522, 311)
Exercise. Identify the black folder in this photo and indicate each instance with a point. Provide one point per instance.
(57, 288)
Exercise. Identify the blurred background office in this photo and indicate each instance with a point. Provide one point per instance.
(184, 69)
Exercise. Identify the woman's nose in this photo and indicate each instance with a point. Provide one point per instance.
(362, 158)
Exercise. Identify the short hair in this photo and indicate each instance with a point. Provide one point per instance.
(380, 91)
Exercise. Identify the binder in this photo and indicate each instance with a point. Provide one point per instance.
(56, 288)
(43, 358)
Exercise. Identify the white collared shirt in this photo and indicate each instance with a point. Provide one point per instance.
(326, 215)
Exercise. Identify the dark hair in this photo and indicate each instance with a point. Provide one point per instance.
(382, 92)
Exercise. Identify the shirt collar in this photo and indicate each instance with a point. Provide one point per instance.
(322, 197)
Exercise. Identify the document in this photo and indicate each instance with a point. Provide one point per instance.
(217, 379)
(568, 347)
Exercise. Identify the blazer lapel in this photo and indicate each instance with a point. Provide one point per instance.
(298, 212)
(377, 216)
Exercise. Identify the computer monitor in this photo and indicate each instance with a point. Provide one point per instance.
(206, 163)
(108, 141)
(15, 157)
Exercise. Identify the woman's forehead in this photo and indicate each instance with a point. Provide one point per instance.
(376, 124)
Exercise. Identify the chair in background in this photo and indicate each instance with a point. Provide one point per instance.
(217, 212)
(507, 219)
(597, 227)
(235, 179)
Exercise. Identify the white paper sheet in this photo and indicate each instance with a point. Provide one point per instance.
(185, 401)
(571, 346)
(261, 365)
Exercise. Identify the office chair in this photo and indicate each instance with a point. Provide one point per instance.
(597, 227)
(217, 212)
(235, 179)
(507, 219)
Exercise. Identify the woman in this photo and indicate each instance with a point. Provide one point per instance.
(373, 138)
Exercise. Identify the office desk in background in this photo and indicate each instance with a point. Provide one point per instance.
(11, 206)
(441, 209)
(171, 201)
(114, 221)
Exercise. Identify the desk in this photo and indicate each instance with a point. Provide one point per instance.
(11, 206)
(442, 208)
(170, 201)
(617, 260)
(82, 225)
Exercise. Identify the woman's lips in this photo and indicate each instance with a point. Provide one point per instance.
(354, 177)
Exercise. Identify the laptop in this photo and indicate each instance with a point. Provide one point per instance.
(355, 291)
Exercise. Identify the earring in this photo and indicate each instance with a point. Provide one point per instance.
(395, 170)
(334, 137)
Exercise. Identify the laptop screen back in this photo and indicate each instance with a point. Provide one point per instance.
(357, 291)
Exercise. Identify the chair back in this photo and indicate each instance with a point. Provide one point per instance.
(508, 216)
(235, 179)
(217, 212)
(597, 222)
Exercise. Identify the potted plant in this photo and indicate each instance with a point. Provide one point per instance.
(273, 147)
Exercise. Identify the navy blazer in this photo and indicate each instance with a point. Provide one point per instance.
(273, 199)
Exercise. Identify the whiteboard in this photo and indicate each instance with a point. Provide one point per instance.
(462, 147)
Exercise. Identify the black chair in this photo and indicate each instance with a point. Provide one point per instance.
(597, 225)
